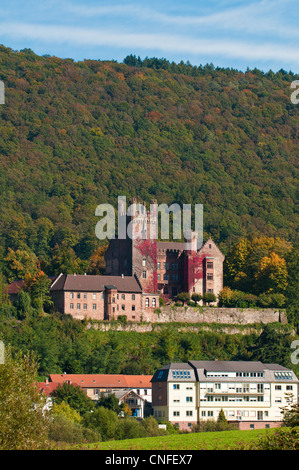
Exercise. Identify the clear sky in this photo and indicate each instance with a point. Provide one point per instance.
(227, 33)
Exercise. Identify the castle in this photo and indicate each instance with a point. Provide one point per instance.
(166, 268)
(139, 270)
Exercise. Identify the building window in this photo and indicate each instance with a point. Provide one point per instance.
(210, 265)
(94, 296)
(133, 296)
(133, 308)
(71, 306)
(84, 296)
(158, 277)
(189, 399)
(210, 290)
(176, 386)
(210, 413)
(144, 262)
(123, 296)
(210, 276)
(154, 302)
(144, 274)
(176, 413)
(78, 306)
(94, 306)
(159, 265)
(189, 413)
(78, 295)
(123, 307)
(72, 295)
(85, 306)
(147, 302)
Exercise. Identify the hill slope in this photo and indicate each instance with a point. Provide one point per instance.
(74, 135)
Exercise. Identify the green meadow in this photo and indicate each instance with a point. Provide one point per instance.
(222, 440)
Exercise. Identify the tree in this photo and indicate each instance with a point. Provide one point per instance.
(64, 409)
(209, 297)
(38, 286)
(24, 421)
(271, 274)
(74, 396)
(111, 402)
(196, 297)
(19, 263)
(103, 421)
(221, 417)
(291, 414)
(183, 297)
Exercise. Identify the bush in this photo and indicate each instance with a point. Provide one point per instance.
(279, 439)
(64, 430)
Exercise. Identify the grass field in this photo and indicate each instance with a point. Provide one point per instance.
(224, 440)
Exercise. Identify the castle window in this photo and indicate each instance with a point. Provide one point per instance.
(84, 296)
(85, 306)
(144, 262)
(210, 265)
(144, 274)
(133, 308)
(210, 276)
(123, 296)
(133, 296)
(72, 295)
(147, 302)
(210, 290)
(154, 302)
(78, 306)
(94, 296)
(159, 265)
(123, 307)
(71, 305)
(94, 306)
(78, 295)
(159, 277)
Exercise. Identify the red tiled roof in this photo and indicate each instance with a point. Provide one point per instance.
(104, 380)
(47, 387)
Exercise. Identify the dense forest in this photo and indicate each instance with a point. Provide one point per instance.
(76, 134)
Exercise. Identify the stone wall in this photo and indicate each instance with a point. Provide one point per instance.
(237, 316)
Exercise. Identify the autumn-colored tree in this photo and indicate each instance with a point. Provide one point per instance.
(38, 286)
(271, 274)
(19, 263)
(97, 261)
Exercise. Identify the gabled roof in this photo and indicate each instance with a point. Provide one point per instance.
(104, 380)
(95, 283)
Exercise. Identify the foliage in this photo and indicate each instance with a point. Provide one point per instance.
(111, 402)
(258, 265)
(208, 297)
(74, 396)
(280, 439)
(24, 421)
(66, 430)
(183, 297)
(64, 409)
(78, 134)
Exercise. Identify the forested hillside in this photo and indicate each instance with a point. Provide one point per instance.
(74, 135)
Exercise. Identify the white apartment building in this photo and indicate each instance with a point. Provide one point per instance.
(250, 393)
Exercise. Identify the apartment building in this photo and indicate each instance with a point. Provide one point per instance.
(251, 394)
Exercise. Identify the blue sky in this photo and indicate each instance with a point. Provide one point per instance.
(230, 33)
